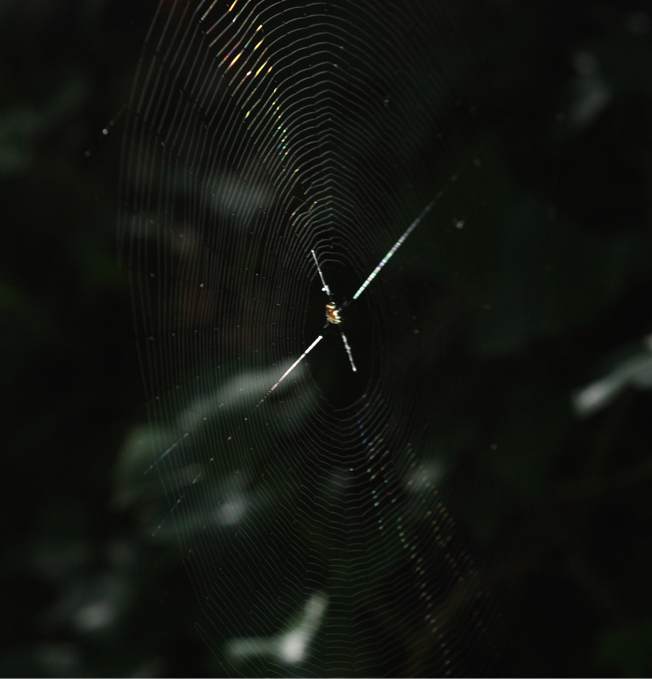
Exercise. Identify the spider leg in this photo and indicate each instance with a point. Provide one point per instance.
(325, 287)
(394, 248)
(349, 353)
(315, 342)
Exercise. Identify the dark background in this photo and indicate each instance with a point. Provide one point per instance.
(558, 511)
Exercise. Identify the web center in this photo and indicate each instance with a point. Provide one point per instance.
(343, 364)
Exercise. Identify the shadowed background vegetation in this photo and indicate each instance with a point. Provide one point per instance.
(555, 372)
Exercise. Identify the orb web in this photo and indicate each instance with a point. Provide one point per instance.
(307, 509)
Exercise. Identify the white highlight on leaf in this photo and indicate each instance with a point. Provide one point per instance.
(290, 646)
(591, 93)
(235, 393)
(635, 371)
(94, 616)
(425, 477)
(232, 511)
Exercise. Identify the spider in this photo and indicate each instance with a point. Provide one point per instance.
(333, 314)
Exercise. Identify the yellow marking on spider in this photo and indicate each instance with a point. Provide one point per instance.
(333, 314)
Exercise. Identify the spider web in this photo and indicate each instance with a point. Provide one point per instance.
(311, 523)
